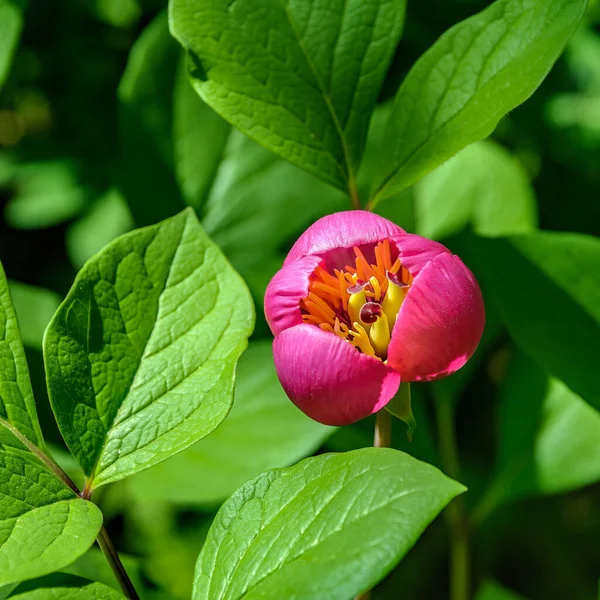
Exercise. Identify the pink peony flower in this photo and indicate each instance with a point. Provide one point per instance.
(359, 306)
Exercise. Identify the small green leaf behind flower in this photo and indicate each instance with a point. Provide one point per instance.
(141, 355)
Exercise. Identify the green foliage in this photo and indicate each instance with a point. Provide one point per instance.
(474, 74)
(549, 435)
(263, 426)
(11, 23)
(547, 278)
(331, 525)
(152, 327)
(483, 185)
(34, 307)
(490, 590)
(301, 79)
(17, 406)
(75, 589)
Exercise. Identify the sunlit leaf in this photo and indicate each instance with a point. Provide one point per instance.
(17, 405)
(141, 355)
(64, 587)
(43, 524)
(300, 78)
(477, 71)
(483, 185)
(264, 428)
(490, 590)
(331, 526)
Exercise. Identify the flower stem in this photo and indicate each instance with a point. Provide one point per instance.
(383, 429)
(110, 553)
(460, 561)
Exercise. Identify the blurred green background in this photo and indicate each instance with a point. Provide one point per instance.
(100, 133)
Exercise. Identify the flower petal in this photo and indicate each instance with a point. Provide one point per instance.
(440, 322)
(342, 230)
(284, 292)
(328, 379)
(416, 251)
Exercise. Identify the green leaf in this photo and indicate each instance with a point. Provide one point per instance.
(490, 590)
(107, 219)
(264, 428)
(43, 524)
(300, 78)
(477, 71)
(145, 103)
(48, 193)
(17, 405)
(331, 526)
(34, 306)
(483, 185)
(64, 588)
(141, 355)
(549, 435)
(11, 23)
(546, 287)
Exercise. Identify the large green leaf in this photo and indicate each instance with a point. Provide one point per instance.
(43, 524)
(546, 287)
(549, 435)
(300, 78)
(264, 428)
(474, 74)
(11, 23)
(329, 527)
(483, 185)
(141, 355)
(17, 405)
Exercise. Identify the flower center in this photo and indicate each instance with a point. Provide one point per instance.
(359, 303)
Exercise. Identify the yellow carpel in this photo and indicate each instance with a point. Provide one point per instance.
(379, 334)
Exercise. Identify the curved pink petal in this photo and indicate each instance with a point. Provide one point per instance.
(440, 322)
(416, 251)
(284, 292)
(328, 379)
(342, 230)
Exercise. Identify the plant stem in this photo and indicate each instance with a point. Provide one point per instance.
(354, 196)
(460, 561)
(47, 460)
(116, 565)
(383, 429)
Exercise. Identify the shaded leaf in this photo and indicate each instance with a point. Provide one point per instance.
(300, 78)
(490, 590)
(48, 193)
(11, 23)
(546, 287)
(483, 185)
(34, 306)
(141, 355)
(549, 435)
(477, 71)
(331, 526)
(107, 219)
(264, 428)
(145, 103)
